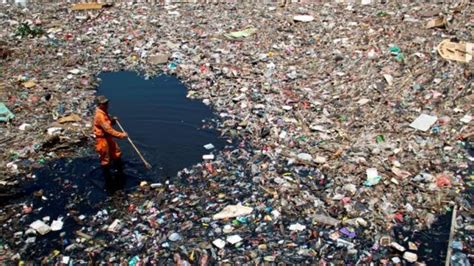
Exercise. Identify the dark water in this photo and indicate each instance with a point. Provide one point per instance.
(162, 122)
(432, 243)
(168, 128)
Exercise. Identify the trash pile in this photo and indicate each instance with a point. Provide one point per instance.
(351, 121)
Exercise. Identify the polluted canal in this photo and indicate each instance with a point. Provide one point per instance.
(171, 131)
(349, 122)
(78, 217)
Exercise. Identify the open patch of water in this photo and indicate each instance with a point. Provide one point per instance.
(169, 129)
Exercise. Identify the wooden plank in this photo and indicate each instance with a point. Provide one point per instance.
(87, 6)
(3, 92)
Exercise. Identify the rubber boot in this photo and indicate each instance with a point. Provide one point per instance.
(120, 175)
(106, 172)
(119, 166)
(109, 181)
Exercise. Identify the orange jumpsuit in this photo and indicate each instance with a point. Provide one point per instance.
(105, 145)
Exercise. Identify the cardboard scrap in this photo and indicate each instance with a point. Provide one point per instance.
(83, 235)
(115, 226)
(29, 84)
(410, 256)
(436, 23)
(87, 6)
(461, 51)
(400, 173)
(159, 59)
(2, 89)
(69, 118)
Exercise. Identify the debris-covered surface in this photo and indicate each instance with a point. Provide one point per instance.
(350, 120)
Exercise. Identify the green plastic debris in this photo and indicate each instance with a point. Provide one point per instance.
(249, 31)
(133, 261)
(25, 30)
(172, 66)
(302, 138)
(14, 156)
(5, 114)
(380, 138)
(400, 57)
(397, 52)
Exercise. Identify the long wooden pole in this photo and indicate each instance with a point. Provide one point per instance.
(147, 165)
(451, 237)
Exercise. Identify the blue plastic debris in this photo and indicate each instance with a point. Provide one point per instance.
(5, 114)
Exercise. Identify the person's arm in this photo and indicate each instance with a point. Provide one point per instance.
(110, 130)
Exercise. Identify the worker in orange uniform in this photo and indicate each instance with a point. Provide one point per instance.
(107, 148)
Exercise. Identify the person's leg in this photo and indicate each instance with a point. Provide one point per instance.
(115, 155)
(102, 149)
(109, 180)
